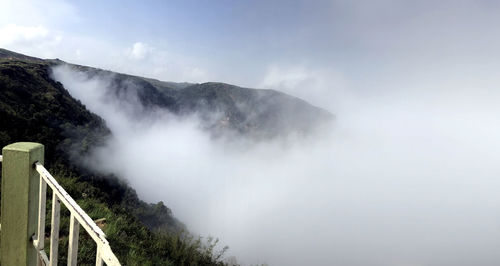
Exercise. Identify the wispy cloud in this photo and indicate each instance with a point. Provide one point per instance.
(321, 86)
(140, 51)
(37, 40)
(14, 35)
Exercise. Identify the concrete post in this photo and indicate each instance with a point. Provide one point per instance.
(20, 189)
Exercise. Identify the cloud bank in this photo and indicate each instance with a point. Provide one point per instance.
(402, 179)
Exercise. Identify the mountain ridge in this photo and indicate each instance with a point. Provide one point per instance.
(259, 113)
(256, 113)
(35, 107)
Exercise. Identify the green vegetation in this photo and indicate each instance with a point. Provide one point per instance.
(35, 108)
(130, 239)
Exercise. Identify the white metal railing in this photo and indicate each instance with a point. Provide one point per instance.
(78, 217)
(19, 206)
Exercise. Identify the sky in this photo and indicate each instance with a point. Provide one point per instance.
(409, 173)
(365, 46)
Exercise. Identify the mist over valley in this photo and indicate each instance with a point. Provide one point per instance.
(339, 132)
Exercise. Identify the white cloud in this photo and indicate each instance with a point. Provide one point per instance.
(395, 183)
(320, 86)
(78, 53)
(32, 40)
(34, 29)
(140, 51)
(15, 34)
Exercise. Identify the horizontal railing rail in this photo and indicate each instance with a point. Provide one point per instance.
(78, 216)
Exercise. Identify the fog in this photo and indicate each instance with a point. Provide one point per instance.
(404, 177)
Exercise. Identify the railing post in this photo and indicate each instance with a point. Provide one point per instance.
(20, 189)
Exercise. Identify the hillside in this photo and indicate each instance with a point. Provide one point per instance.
(34, 107)
(256, 113)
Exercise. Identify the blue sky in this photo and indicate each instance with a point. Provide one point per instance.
(327, 46)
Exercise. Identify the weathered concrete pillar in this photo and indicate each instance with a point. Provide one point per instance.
(20, 189)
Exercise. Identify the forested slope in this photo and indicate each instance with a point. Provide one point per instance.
(35, 108)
